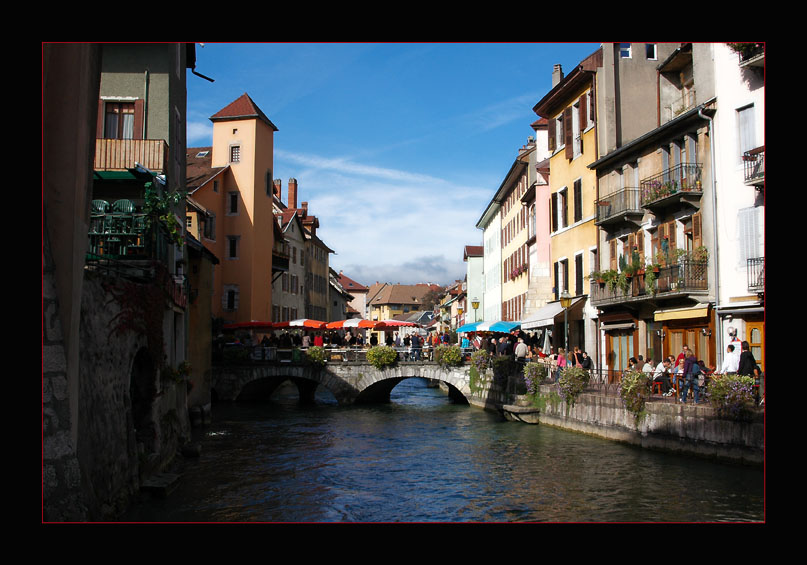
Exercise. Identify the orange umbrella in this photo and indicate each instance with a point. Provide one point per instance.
(302, 323)
(351, 323)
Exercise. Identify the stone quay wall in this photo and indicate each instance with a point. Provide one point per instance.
(667, 426)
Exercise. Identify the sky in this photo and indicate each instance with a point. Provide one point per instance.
(397, 148)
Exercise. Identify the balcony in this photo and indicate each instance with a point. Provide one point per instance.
(756, 274)
(622, 206)
(687, 276)
(115, 234)
(122, 154)
(754, 166)
(681, 183)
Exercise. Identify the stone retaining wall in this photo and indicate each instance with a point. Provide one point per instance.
(667, 426)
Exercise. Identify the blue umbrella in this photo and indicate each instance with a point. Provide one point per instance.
(468, 327)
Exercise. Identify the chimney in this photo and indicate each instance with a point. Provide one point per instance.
(292, 193)
(278, 188)
(557, 75)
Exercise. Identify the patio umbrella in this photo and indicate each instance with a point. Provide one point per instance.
(302, 323)
(503, 327)
(395, 324)
(350, 323)
(472, 327)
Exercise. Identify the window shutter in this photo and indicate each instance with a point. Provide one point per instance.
(640, 244)
(557, 286)
(99, 127)
(671, 233)
(567, 132)
(554, 211)
(578, 200)
(552, 132)
(697, 234)
(139, 130)
(612, 253)
(578, 275)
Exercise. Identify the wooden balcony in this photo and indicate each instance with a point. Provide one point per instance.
(122, 154)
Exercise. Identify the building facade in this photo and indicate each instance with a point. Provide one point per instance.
(236, 189)
(655, 285)
(570, 109)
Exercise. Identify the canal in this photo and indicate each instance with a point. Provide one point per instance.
(423, 459)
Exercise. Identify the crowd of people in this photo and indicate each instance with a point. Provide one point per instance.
(684, 373)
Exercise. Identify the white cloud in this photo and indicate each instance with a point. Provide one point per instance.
(387, 224)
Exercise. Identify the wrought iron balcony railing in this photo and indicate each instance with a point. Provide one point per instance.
(615, 206)
(754, 165)
(687, 275)
(756, 274)
(683, 179)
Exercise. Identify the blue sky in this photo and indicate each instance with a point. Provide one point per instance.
(397, 148)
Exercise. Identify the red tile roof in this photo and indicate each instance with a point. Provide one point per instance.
(241, 108)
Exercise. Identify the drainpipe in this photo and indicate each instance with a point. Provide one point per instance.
(145, 103)
(718, 321)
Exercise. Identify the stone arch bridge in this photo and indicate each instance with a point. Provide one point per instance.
(348, 382)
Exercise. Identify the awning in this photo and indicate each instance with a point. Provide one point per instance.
(621, 326)
(546, 315)
(350, 323)
(301, 323)
(700, 311)
(468, 327)
(502, 327)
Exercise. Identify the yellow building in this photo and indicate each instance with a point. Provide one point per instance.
(570, 108)
(514, 238)
(232, 181)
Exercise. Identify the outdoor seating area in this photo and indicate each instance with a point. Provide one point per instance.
(116, 230)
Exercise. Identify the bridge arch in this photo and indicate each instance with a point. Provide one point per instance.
(349, 382)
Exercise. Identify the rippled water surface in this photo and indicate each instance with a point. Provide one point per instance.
(423, 459)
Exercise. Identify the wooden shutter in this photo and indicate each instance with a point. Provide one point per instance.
(697, 233)
(554, 211)
(612, 253)
(567, 132)
(640, 244)
(671, 233)
(578, 200)
(551, 130)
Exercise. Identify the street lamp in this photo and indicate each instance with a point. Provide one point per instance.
(475, 304)
(565, 302)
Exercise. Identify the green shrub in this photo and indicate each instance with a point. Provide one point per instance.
(382, 356)
(635, 388)
(503, 367)
(572, 381)
(448, 355)
(316, 355)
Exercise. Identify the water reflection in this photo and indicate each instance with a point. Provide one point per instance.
(423, 459)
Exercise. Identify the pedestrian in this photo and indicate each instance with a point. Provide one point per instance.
(561, 359)
(748, 367)
(691, 377)
(521, 351)
(731, 362)
(577, 357)
(416, 347)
